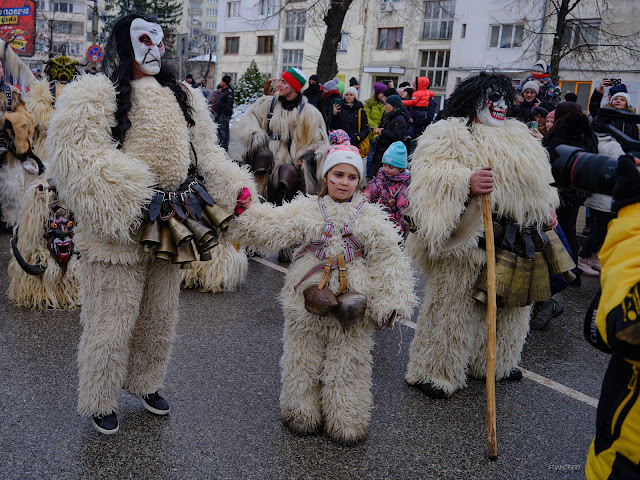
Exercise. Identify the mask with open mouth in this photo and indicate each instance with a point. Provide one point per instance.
(146, 39)
(60, 238)
(495, 110)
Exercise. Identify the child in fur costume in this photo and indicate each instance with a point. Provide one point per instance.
(390, 186)
(115, 143)
(472, 151)
(326, 368)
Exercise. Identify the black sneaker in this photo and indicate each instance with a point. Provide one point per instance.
(155, 403)
(429, 389)
(106, 424)
(515, 375)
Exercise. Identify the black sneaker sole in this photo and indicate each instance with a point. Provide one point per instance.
(155, 411)
(103, 430)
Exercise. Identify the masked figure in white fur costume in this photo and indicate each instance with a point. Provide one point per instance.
(473, 150)
(329, 321)
(115, 144)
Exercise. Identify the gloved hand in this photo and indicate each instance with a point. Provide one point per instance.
(627, 188)
(244, 200)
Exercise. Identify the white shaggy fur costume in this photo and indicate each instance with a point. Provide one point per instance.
(308, 134)
(326, 370)
(452, 328)
(129, 300)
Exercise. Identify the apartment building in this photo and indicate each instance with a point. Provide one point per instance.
(247, 31)
(63, 27)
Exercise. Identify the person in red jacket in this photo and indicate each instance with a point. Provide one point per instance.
(421, 107)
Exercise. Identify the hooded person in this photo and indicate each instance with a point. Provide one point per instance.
(540, 74)
(285, 141)
(474, 150)
(153, 162)
(523, 110)
(326, 362)
(392, 128)
(314, 91)
(422, 107)
(618, 99)
(330, 95)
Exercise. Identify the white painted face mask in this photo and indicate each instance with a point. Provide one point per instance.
(146, 38)
(495, 111)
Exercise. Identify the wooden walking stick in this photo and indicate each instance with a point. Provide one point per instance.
(491, 326)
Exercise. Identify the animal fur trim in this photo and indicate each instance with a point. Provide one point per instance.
(40, 103)
(225, 272)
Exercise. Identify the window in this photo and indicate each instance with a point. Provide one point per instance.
(580, 33)
(291, 58)
(233, 75)
(42, 5)
(463, 31)
(194, 19)
(65, 27)
(195, 5)
(212, 12)
(265, 44)
(390, 38)
(438, 19)
(267, 7)
(232, 45)
(212, 1)
(434, 65)
(344, 43)
(212, 25)
(63, 7)
(506, 36)
(581, 89)
(294, 28)
(233, 9)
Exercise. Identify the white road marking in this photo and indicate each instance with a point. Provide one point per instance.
(558, 387)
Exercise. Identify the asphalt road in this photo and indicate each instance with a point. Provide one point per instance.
(223, 386)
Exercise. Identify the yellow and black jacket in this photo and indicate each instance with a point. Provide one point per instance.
(615, 328)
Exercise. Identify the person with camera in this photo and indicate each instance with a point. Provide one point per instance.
(618, 99)
(614, 327)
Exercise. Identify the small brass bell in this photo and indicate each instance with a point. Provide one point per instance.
(167, 248)
(218, 216)
(185, 255)
(181, 234)
(150, 236)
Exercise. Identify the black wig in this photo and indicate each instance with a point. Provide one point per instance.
(119, 56)
(472, 95)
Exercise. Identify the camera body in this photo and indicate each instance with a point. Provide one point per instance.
(572, 167)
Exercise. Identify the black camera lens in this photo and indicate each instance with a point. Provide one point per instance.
(572, 167)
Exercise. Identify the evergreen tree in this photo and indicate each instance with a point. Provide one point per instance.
(168, 13)
(250, 86)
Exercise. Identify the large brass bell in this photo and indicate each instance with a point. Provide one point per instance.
(539, 287)
(185, 256)
(181, 234)
(150, 236)
(218, 216)
(505, 264)
(201, 233)
(560, 260)
(519, 289)
(167, 248)
(204, 249)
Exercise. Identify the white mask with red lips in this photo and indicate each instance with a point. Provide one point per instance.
(146, 39)
(494, 113)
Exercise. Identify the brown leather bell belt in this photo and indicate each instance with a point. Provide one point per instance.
(321, 266)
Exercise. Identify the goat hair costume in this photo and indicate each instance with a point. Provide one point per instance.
(301, 137)
(129, 299)
(325, 368)
(451, 335)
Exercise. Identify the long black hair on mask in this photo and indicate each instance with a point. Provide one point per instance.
(117, 65)
(472, 95)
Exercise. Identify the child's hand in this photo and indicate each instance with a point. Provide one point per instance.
(244, 201)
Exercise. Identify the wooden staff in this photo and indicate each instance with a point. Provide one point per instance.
(491, 326)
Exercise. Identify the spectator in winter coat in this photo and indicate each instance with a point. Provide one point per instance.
(329, 96)
(393, 128)
(374, 108)
(522, 109)
(224, 110)
(314, 92)
(541, 75)
(618, 99)
(422, 107)
(390, 186)
(390, 91)
(353, 82)
(345, 117)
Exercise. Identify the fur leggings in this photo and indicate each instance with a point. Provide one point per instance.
(451, 338)
(326, 375)
(129, 314)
